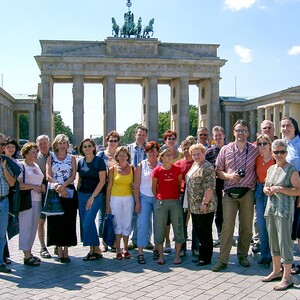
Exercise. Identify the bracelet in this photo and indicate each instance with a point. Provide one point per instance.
(277, 189)
(92, 196)
(203, 203)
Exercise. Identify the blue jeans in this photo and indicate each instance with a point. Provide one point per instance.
(89, 234)
(260, 205)
(3, 226)
(144, 219)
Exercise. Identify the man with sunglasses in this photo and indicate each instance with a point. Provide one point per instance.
(203, 137)
(6, 180)
(267, 127)
(236, 166)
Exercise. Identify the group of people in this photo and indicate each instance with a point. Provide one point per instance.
(148, 187)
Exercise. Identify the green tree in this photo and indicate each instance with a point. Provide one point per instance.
(60, 127)
(193, 113)
(24, 126)
(98, 140)
(128, 136)
(164, 123)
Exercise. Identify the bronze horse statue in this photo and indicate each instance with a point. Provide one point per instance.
(115, 28)
(148, 29)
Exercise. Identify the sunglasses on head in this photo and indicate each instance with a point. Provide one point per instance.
(262, 144)
(2, 144)
(279, 152)
(87, 146)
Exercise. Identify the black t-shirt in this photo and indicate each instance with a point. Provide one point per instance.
(89, 173)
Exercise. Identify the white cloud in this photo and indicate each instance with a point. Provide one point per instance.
(239, 4)
(244, 54)
(295, 50)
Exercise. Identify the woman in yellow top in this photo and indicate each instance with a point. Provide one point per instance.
(119, 199)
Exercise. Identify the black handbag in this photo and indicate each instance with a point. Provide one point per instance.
(25, 196)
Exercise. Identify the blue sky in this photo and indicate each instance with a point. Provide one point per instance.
(260, 39)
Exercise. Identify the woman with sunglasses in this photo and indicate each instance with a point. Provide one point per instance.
(290, 132)
(92, 178)
(119, 199)
(282, 185)
(112, 141)
(262, 164)
(170, 139)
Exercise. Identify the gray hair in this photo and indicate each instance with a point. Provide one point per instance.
(43, 137)
(279, 143)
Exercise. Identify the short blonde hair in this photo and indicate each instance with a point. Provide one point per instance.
(59, 138)
(122, 149)
(27, 147)
(197, 147)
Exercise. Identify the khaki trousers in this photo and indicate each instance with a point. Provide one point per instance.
(245, 207)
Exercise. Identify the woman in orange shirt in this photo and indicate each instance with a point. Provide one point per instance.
(262, 164)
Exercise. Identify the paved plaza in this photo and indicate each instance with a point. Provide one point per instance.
(108, 278)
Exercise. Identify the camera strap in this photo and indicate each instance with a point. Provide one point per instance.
(234, 158)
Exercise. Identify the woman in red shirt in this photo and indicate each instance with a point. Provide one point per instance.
(166, 184)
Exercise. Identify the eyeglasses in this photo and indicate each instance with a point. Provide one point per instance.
(2, 144)
(113, 141)
(203, 134)
(167, 155)
(171, 139)
(279, 152)
(123, 155)
(262, 144)
(267, 128)
(87, 146)
(242, 131)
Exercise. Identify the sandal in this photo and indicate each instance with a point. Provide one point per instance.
(296, 270)
(126, 255)
(272, 277)
(161, 261)
(97, 255)
(31, 261)
(119, 256)
(36, 258)
(141, 259)
(45, 253)
(177, 261)
(155, 254)
(89, 257)
(283, 285)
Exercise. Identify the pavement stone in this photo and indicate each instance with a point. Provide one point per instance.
(108, 278)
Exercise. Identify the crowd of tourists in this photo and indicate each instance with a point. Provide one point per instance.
(150, 188)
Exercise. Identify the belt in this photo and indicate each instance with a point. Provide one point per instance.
(3, 197)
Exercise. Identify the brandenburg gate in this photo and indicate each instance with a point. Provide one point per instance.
(144, 61)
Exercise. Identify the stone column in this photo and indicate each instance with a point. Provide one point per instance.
(276, 120)
(227, 125)
(180, 107)
(46, 106)
(260, 113)
(78, 110)
(150, 107)
(267, 113)
(286, 110)
(252, 125)
(214, 108)
(11, 122)
(109, 105)
(32, 133)
(2, 118)
(183, 113)
(16, 125)
(5, 120)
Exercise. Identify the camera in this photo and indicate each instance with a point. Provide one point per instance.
(241, 173)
